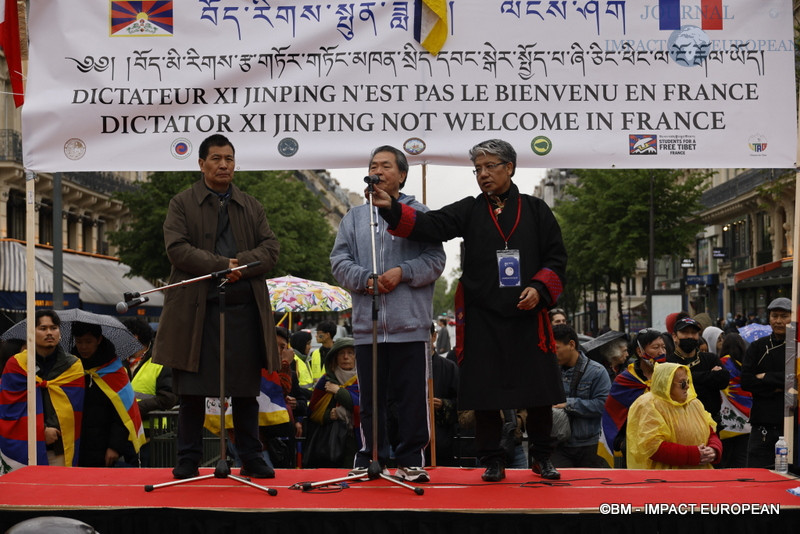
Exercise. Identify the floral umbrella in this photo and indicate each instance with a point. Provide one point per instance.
(292, 294)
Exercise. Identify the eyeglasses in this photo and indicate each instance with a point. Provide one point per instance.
(489, 167)
(684, 384)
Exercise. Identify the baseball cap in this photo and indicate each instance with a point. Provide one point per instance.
(687, 322)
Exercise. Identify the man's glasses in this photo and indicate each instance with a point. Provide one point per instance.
(684, 384)
(489, 167)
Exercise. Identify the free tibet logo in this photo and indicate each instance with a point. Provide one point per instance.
(643, 144)
(541, 145)
(141, 19)
(181, 148)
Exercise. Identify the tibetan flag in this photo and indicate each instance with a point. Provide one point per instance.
(736, 403)
(430, 24)
(626, 388)
(9, 40)
(131, 19)
(112, 379)
(66, 395)
(272, 408)
(670, 13)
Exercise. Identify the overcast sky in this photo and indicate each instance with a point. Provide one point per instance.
(444, 185)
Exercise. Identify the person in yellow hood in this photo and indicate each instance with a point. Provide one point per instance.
(668, 428)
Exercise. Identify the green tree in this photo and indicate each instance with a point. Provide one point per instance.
(605, 221)
(141, 241)
(293, 212)
(442, 298)
(295, 215)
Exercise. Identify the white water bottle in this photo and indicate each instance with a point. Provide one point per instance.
(781, 456)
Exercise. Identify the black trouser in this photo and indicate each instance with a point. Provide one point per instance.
(581, 456)
(761, 445)
(489, 427)
(402, 384)
(191, 416)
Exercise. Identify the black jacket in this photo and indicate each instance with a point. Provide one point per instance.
(765, 355)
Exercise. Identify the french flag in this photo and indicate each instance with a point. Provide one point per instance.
(9, 41)
(670, 12)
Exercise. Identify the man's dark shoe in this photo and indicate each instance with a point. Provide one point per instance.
(256, 468)
(185, 469)
(495, 472)
(545, 469)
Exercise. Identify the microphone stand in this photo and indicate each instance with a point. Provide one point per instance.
(374, 471)
(222, 469)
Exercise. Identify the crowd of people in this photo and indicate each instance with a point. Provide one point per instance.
(695, 396)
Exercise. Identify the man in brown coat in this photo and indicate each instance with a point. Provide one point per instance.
(211, 227)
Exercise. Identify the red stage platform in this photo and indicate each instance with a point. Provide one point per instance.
(114, 500)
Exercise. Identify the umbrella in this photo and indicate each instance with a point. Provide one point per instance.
(754, 331)
(601, 341)
(292, 294)
(125, 344)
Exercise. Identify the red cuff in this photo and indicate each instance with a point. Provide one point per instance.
(675, 454)
(551, 281)
(715, 443)
(407, 219)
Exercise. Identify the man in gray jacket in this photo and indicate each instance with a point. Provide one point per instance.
(406, 273)
(586, 386)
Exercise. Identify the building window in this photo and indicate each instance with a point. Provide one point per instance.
(45, 223)
(72, 231)
(87, 235)
(16, 215)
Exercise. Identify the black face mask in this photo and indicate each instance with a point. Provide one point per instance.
(688, 345)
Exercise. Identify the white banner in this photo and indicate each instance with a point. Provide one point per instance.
(123, 85)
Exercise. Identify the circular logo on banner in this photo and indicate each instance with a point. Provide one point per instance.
(74, 148)
(689, 46)
(181, 148)
(757, 143)
(288, 147)
(414, 146)
(541, 145)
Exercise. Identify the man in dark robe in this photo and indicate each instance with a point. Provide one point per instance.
(514, 263)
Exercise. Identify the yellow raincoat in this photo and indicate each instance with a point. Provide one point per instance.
(655, 418)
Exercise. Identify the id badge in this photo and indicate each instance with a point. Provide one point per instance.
(508, 268)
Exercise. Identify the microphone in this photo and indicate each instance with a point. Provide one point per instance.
(123, 307)
(372, 179)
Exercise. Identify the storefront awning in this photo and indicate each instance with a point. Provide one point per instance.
(772, 277)
(92, 283)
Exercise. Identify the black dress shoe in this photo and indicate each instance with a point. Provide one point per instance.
(256, 468)
(185, 469)
(495, 472)
(546, 470)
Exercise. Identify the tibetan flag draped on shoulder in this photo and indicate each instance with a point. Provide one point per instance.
(430, 24)
(626, 388)
(112, 378)
(321, 400)
(272, 408)
(736, 403)
(66, 394)
(9, 40)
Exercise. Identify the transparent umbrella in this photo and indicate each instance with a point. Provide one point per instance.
(125, 344)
